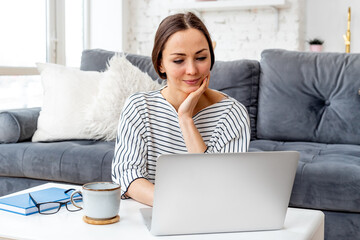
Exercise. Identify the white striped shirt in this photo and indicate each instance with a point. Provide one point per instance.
(149, 127)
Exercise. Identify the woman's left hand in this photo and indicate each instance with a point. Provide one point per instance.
(186, 109)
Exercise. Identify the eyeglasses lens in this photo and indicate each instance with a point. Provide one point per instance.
(49, 208)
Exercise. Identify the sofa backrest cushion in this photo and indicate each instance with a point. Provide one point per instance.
(97, 60)
(239, 79)
(307, 96)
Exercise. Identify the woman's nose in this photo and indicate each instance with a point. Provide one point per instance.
(191, 68)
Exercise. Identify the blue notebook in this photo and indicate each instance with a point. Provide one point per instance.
(22, 204)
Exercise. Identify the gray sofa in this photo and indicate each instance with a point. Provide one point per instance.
(306, 102)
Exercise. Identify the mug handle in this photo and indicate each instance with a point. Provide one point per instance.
(72, 200)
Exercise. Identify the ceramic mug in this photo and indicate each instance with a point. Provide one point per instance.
(101, 200)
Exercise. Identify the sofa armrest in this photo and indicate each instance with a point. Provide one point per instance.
(18, 125)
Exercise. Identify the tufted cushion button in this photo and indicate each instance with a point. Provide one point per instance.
(327, 103)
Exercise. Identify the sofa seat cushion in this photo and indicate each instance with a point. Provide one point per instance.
(328, 175)
(68, 161)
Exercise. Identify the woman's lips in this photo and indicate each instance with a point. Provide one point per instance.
(192, 82)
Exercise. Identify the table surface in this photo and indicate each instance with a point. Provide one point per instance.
(300, 224)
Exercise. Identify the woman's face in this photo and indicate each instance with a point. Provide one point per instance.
(186, 60)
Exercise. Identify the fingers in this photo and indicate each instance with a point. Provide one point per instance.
(205, 83)
(202, 87)
(208, 80)
(187, 106)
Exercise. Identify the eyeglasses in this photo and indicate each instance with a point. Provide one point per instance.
(48, 208)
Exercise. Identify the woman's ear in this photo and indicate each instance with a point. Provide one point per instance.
(161, 68)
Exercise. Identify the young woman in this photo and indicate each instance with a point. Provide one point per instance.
(185, 116)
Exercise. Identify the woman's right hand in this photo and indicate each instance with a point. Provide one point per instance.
(193, 140)
(186, 109)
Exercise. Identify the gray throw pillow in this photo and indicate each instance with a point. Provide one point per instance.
(18, 124)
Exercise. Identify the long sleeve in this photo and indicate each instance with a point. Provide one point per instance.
(232, 133)
(130, 154)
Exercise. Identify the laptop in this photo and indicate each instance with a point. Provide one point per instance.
(227, 192)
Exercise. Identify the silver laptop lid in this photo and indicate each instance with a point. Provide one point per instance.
(206, 193)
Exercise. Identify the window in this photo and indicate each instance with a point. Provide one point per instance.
(23, 32)
(36, 31)
(74, 33)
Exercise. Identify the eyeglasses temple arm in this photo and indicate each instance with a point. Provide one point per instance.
(32, 199)
(71, 189)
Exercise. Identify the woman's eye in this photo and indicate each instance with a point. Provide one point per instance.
(201, 58)
(178, 61)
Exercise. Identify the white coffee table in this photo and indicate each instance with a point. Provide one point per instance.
(300, 224)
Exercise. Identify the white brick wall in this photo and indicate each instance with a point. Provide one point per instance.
(239, 34)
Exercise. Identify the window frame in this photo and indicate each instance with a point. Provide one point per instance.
(55, 34)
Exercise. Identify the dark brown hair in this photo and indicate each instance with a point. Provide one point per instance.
(171, 25)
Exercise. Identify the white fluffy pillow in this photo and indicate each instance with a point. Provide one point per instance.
(66, 93)
(119, 81)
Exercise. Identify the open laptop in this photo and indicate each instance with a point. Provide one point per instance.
(228, 192)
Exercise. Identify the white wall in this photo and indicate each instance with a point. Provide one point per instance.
(246, 33)
(327, 19)
(238, 33)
